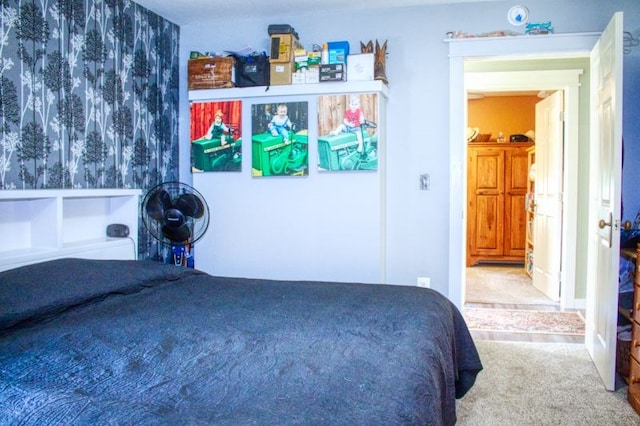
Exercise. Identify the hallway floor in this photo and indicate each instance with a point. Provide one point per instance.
(509, 287)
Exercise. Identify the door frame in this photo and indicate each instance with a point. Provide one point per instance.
(552, 46)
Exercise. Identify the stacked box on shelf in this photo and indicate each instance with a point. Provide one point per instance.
(300, 60)
(333, 72)
(313, 72)
(307, 65)
(210, 72)
(338, 52)
(360, 67)
(336, 68)
(282, 63)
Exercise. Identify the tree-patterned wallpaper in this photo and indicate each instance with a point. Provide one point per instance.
(88, 96)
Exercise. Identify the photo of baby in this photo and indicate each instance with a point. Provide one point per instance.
(216, 140)
(279, 140)
(347, 132)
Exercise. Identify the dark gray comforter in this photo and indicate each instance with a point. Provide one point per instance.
(125, 342)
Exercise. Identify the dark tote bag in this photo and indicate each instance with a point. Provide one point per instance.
(252, 70)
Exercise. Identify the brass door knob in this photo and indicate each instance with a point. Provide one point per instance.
(602, 223)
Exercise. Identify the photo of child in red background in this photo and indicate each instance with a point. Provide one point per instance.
(216, 136)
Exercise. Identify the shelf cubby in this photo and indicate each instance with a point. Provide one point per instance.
(39, 225)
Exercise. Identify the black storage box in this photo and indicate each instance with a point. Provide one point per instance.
(252, 70)
(333, 72)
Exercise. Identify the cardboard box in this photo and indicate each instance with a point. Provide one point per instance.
(360, 67)
(298, 77)
(312, 75)
(210, 73)
(338, 52)
(281, 74)
(314, 59)
(333, 72)
(283, 47)
(300, 59)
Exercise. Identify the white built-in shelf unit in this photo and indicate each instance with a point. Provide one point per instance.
(46, 224)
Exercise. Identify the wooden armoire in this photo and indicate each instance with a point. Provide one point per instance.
(496, 192)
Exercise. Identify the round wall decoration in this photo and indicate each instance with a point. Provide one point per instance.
(518, 15)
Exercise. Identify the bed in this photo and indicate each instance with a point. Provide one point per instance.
(140, 342)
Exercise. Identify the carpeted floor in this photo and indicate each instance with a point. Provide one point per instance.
(527, 383)
(504, 284)
(524, 321)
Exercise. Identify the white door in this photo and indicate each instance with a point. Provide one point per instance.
(547, 223)
(604, 203)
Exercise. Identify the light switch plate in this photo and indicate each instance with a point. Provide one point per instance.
(425, 182)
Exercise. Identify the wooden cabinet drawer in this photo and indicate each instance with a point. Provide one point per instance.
(633, 393)
(636, 302)
(635, 342)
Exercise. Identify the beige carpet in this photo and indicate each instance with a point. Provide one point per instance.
(526, 383)
(504, 284)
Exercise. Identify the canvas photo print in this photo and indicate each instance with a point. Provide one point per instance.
(279, 139)
(216, 138)
(347, 132)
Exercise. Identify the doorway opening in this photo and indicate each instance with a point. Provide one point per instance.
(513, 288)
(504, 266)
(512, 73)
(496, 76)
(500, 146)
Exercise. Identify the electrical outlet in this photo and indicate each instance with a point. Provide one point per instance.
(424, 282)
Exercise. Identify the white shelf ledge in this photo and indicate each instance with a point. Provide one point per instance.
(327, 88)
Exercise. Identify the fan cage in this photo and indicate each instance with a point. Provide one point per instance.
(197, 225)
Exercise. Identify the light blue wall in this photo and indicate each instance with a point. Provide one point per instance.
(631, 120)
(418, 111)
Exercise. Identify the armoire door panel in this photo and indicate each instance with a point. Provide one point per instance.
(517, 171)
(490, 166)
(489, 225)
(515, 230)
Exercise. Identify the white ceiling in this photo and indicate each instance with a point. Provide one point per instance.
(184, 12)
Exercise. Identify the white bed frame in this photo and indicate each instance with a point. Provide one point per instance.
(41, 225)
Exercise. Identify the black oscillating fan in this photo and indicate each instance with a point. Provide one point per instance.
(177, 215)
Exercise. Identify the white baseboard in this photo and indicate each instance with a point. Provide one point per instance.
(579, 304)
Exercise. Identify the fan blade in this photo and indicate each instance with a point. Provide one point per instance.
(176, 235)
(157, 204)
(190, 205)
